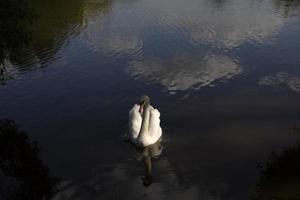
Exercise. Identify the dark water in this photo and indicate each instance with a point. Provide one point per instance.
(225, 75)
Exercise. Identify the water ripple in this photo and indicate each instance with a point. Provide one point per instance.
(228, 27)
(281, 79)
(185, 73)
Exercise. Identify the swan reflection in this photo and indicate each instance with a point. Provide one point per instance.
(146, 154)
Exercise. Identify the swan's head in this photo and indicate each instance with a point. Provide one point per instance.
(144, 101)
(147, 181)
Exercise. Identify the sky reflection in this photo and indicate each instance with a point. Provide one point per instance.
(184, 72)
(231, 66)
(281, 79)
(209, 31)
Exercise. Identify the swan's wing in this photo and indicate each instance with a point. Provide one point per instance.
(135, 121)
(154, 124)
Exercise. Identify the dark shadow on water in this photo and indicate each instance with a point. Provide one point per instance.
(287, 6)
(280, 175)
(23, 175)
(287, 3)
(146, 154)
(15, 17)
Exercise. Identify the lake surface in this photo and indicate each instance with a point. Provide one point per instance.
(225, 75)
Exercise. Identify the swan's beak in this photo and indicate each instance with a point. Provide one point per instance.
(141, 109)
(141, 104)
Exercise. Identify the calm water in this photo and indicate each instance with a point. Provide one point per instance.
(225, 75)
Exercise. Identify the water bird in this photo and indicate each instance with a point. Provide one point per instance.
(144, 123)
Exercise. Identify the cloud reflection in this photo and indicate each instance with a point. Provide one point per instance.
(216, 24)
(185, 72)
(104, 34)
(281, 78)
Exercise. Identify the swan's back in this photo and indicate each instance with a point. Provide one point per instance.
(154, 131)
(135, 121)
(154, 125)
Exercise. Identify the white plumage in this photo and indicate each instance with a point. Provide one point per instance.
(147, 132)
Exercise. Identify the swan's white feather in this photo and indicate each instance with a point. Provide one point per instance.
(135, 121)
(154, 125)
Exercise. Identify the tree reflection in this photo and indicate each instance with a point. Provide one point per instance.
(32, 31)
(15, 16)
(280, 176)
(287, 5)
(146, 154)
(23, 176)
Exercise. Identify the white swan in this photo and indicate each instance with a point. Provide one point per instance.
(144, 123)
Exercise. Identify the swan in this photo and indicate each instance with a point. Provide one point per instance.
(144, 123)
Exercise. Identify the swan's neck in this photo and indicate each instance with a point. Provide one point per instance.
(145, 123)
(148, 167)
